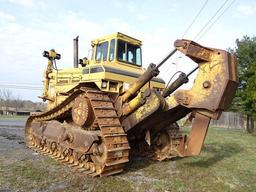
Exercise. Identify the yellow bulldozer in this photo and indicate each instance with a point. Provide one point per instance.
(108, 108)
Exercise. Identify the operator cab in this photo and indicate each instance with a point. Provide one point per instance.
(118, 48)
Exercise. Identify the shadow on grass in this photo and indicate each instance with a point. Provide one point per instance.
(137, 162)
(216, 152)
(212, 153)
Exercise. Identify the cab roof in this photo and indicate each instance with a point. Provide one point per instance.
(118, 35)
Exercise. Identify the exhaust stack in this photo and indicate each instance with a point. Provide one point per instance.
(75, 42)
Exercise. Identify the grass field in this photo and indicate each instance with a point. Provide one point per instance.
(227, 163)
(12, 117)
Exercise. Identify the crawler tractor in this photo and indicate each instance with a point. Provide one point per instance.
(108, 108)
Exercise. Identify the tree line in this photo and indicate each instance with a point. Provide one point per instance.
(245, 99)
(9, 100)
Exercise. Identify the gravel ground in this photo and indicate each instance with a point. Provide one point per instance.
(12, 123)
(12, 146)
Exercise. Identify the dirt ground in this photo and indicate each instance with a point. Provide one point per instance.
(228, 163)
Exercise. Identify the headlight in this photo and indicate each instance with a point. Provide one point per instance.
(126, 86)
(104, 84)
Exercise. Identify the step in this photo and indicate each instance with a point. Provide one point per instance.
(94, 91)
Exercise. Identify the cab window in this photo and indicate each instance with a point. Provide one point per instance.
(112, 50)
(102, 51)
(129, 53)
(121, 53)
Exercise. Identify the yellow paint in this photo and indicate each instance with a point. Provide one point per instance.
(214, 72)
(149, 106)
(64, 80)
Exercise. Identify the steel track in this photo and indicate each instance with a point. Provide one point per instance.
(111, 131)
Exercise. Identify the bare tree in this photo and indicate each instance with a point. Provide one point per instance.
(1, 102)
(17, 103)
(7, 97)
(1, 98)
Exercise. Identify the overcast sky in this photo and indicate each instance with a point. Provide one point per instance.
(28, 27)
